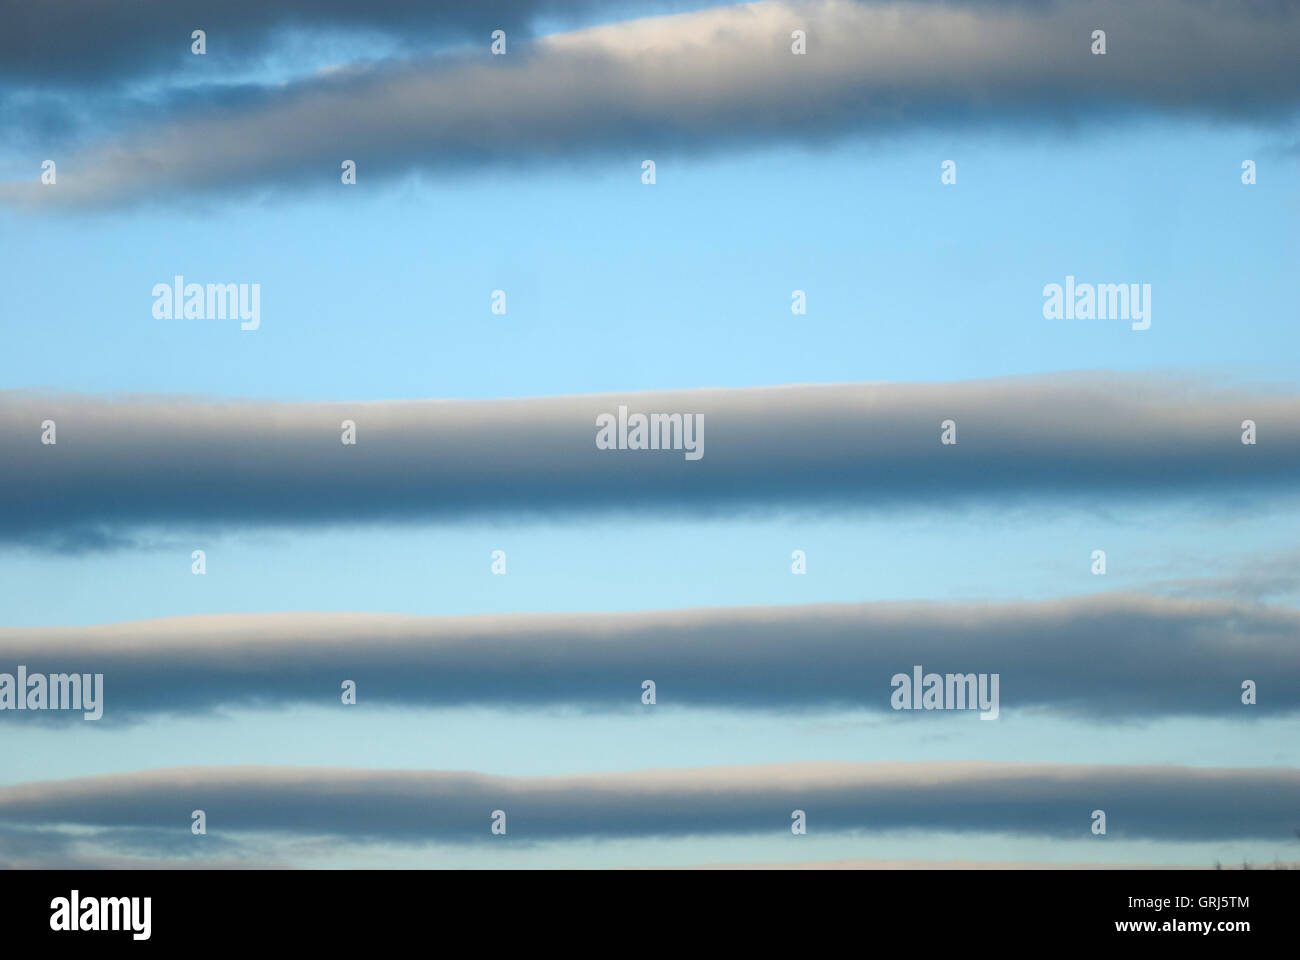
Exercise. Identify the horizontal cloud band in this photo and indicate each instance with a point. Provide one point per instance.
(1053, 800)
(1105, 656)
(120, 464)
(714, 78)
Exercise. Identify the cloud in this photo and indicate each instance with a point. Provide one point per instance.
(1108, 656)
(43, 848)
(722, 77)
(120, 466)
(1046, 800)
(75, 42)
(1256, 579)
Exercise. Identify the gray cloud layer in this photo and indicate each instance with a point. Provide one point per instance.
(85, 41)
(1051, 800)
(1107, 656)
(121, 465)
(713, 78)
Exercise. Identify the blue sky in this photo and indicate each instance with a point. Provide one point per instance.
(384, 292)
(381, 291)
